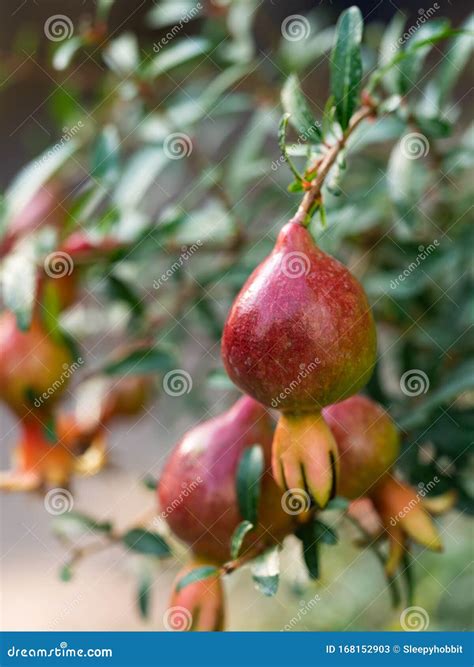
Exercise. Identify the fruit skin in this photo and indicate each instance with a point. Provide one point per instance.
(199, 606)
(368, 443)
(197, 490)
(303, 341)
(30, 362)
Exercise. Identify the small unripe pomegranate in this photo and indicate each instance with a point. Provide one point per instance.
(197, 490)
(367, 440)
(300, 336)
(369, 444)
(32, 366)
(199, 606)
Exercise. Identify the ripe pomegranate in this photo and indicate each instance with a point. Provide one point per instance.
(197, 490)
(367, 440)
(33, 366)
(300, 336)
(199, 606)
(369, 444)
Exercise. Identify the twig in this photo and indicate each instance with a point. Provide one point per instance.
(313, 194)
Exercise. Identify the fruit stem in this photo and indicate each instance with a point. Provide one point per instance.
(303, 214)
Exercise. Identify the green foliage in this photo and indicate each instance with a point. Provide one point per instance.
(249, 473)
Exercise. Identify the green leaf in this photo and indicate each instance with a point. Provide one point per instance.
(454, 384)
(66, 573)
(338, 503)
(417, 48)
(218, 379)
(30, 179)
(144, 360)
(306, 533)
(119, 290)
(150, 483)
(323, 533)
(238, 537)
(198, 574)
(145, 582)
(177, 54)
(454, 60)
(266, 571)
(389, 45)
(122, 54)
(282, 143)
(300, 116)
(103, 8)
(105, 163)
(65, 53)
(49, 430)
(408, 575)
(72, 525)
(147, 542)
(249, 473)
(19, 283)
(346, 64)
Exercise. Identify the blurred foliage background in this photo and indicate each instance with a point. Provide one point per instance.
(94, 113)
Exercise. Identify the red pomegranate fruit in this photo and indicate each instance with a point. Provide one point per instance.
(300, 336)
(197, 490)
(368, 442)
(199, 606)
(34, 366)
